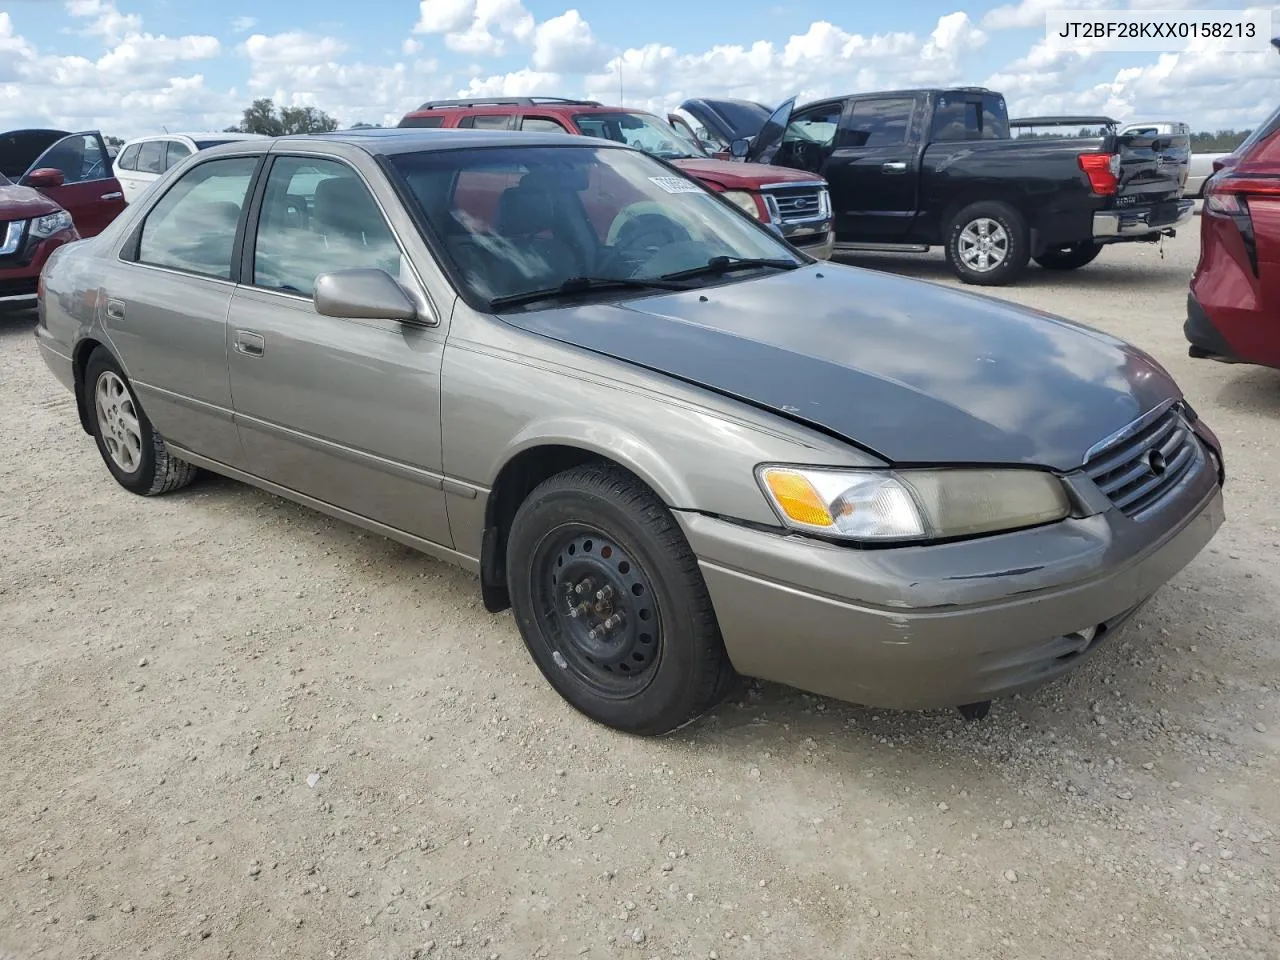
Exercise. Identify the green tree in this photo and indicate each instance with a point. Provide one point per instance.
(264, 118)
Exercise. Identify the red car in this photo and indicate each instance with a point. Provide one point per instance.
(55, 187)
(1233, 310)
(795, 203)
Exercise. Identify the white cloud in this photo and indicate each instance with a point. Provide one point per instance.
(565, 44)
(108, 71)
(1031, 13)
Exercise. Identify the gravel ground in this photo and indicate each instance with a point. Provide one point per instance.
(235, 728)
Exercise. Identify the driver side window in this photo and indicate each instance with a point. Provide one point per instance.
(80, 158)
(809, 136)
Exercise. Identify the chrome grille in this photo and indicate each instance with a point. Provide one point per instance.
(803, 202)
(1145, 462)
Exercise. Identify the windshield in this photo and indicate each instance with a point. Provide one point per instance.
(5, 181)
(643, 131)
(514, 220)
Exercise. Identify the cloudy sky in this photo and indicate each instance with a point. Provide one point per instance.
(131, 66)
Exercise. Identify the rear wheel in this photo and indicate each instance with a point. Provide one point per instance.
(1071, 257)
(611, 603)
(132, 450)
(986, 244)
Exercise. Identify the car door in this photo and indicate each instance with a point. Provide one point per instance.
(126, 168)
(165, 303)
(89, 190)
(345, 411)
(873, 170)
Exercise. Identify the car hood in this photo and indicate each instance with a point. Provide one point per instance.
(23, 203)
(913, 372)
(19, 149)
(742, 176)
(711, 113)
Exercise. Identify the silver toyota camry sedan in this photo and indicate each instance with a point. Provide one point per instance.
(676, 447)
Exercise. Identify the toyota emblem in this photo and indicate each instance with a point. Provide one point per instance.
(1157, 463)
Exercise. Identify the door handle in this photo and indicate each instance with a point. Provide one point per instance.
(115, 309)
(112, 196)
(250, 344)
(894, 166)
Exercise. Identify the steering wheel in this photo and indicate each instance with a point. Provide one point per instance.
(637, 234)
(807, 154)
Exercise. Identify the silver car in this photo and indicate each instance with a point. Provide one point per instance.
(677, 447)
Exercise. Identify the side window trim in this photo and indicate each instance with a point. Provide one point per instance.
(128, 251)
(247, 232)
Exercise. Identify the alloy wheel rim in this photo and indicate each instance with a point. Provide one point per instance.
(598, 610)
(118, 422)
(984, 245)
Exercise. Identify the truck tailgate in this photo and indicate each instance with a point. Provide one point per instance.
(1152, 168)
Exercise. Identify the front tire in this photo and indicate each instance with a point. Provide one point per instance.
(1071, 257)
(611, 604)
(132, 450)
(987, 244)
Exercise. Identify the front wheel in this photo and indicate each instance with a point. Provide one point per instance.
(1071, 257)
(986, 244)
(611, 604)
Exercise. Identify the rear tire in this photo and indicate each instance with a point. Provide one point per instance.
(1071, 257)
(132, 450)
(987, 244)
(595, 535)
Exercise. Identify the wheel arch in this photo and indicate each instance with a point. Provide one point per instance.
(529, 463)
(79, 362)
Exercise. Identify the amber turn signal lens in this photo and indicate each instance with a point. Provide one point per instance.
(797, 498)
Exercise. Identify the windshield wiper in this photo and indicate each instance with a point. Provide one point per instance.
(584, 285)
(720, 265)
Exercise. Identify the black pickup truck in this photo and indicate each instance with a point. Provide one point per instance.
(911, 169)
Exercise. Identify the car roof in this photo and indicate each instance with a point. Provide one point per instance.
(389, 141)
(199, 135)
(495, 108)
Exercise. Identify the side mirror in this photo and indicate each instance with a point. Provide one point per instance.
(46, 177)
(739, 148)
(362, 294)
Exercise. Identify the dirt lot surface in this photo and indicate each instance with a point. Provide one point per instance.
(234, 728)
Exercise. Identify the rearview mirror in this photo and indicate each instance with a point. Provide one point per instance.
(739, 148)
(46, 177)
(362, 294)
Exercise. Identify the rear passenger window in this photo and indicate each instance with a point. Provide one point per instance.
(128, 159)
(878, 123)
(487, 122)
(193, 226)
(151, 157)
(422, 122)
(317, 217)
(541, 125)
(178, 151)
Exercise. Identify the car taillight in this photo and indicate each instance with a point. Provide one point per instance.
(1227, 195)
(1103, 171)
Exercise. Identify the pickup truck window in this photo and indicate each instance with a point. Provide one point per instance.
(969, 119)
(814, 126)
(878, 123)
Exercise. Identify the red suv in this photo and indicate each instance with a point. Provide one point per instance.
(795, 203)
(55, 187)
(1233, 310)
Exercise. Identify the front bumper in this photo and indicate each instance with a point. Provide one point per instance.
(1141, 221)
(20, 272)
(942, 625)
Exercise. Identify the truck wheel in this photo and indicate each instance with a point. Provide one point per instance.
(987, 244)
(611, 604)
(1071, 257)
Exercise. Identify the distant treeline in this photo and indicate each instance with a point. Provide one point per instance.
(1224, 141)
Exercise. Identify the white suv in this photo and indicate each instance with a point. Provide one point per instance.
(143, 161)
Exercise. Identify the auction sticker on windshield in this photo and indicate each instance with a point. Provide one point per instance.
(676, 185)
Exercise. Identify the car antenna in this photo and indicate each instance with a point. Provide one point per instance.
(164, 128)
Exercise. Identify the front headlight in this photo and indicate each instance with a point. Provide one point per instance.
(744, 201)
(909, 505)
(50, 224)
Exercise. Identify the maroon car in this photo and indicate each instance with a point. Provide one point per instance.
(55, 187)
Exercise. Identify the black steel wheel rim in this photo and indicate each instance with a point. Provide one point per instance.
(597, 609)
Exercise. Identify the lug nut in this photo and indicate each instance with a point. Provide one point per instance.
(605, 594)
